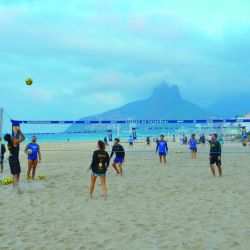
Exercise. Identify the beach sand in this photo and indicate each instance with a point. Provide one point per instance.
(174, 206)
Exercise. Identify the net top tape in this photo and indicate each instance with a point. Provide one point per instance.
(135, 121)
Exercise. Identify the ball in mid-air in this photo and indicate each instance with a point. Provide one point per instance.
(29, 81)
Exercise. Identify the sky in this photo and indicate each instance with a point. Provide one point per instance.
(89, 56)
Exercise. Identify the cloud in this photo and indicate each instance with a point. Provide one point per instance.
(89, 56)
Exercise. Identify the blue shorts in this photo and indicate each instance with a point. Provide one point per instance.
(96, 175)
(193, 150)
(162, 153)
(118, 160)
(32, 159)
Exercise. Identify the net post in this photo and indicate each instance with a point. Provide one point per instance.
(1, 122)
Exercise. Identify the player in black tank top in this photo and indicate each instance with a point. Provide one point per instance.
(13, 147)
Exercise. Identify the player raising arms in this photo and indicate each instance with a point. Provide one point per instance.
(33, 152)
(120, 155)
(13, 146)
(162, 149)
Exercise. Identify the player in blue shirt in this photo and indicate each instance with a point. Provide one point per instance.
(193, 146)
(33, 156)
(162, 149)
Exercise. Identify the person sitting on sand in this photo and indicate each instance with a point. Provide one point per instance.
(99, 166)
(193, 146)
(13, 147)
(215, 154)
(33, 157)
(120, 155)
(162, 149)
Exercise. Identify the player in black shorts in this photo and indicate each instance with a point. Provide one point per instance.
(2, 152)
(13, 146)
(215, 154)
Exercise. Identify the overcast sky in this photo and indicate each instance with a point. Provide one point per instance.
(88, 56)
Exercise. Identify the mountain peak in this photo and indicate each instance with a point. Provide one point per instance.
(164, 91)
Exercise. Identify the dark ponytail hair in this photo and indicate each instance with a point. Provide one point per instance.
(7, 137)
(101, 145)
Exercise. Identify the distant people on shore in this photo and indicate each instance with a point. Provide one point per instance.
(148, 141)
(105, 141)
(203, 140)
(130, 141)
(184, 139)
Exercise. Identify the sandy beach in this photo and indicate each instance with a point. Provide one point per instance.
(174, 206)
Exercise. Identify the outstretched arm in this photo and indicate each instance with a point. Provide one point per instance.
(17, 141)
(93, 160)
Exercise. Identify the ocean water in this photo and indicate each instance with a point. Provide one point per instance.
(60, 137)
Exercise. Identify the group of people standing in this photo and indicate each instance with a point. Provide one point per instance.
(100, 160)
(100, 164)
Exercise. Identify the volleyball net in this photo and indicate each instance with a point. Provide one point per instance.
(82, 134)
